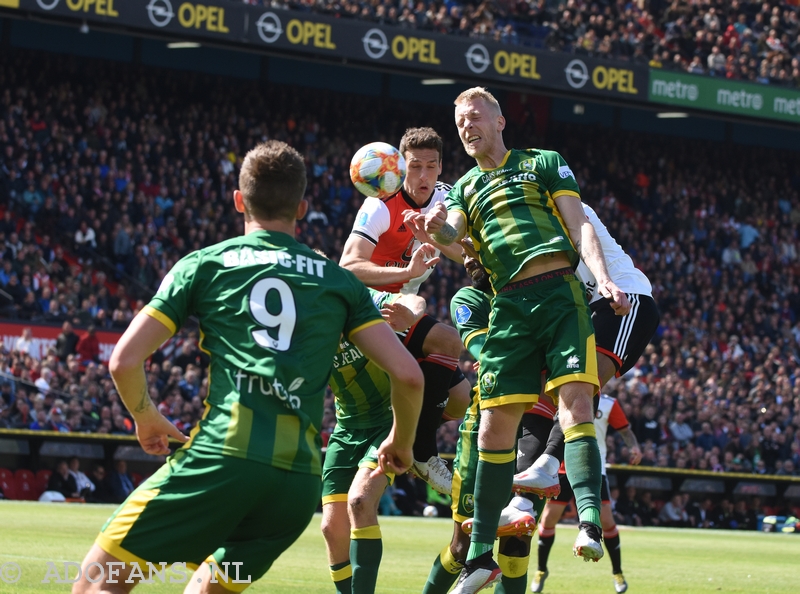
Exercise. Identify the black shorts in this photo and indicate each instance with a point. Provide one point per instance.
(566, 494)
(414, 338)
(624, 338)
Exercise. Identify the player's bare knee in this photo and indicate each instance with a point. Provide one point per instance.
(443, 340)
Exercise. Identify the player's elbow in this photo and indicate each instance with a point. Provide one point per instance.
(122, 361)
(409, 377)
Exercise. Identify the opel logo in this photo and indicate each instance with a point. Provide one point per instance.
(375, 43)
(44, 5)
(577, 74)
(160, 12)
(478, 58)
(269, 27)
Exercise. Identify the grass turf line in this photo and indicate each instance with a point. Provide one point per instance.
(655, 561)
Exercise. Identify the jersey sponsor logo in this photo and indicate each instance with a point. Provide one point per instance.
(347, 355)
(274, 388)
(362, 219)
(249, 257)
(488, 382)
(573, 362)
(495, 174)
(463, 314)
(407, 255)
(564, 172)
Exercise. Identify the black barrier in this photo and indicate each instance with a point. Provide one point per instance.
(215, 19)
(357, 41)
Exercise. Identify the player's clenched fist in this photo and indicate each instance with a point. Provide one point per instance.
(436, 219)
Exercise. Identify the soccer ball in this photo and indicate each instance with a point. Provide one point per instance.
(430, 511)
(378, 170)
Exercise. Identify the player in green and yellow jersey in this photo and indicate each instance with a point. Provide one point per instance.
(522, 210)
(351, 491)
(271, 314)
(470, 309)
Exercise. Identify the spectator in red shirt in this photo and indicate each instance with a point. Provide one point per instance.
(88, 348)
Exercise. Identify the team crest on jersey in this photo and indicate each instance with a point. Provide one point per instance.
(362, 218)
(598, 414)
(529, 164)
(488, 382)
(468, 502)
(463, 314)
(564, 172)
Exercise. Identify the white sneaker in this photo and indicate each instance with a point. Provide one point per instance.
(540, 479)
(478, 576)
(518, 518)
(587, 545)
(435, 473)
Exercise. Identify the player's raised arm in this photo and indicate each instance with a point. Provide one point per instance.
(583, 235)
(356, 258)
(144, 335)
(416, 222)
(443, 226)
(380, 345)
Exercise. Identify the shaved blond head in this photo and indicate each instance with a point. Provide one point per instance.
(478, 93)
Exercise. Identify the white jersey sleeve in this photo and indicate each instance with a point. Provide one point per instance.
(372, 220)
(620, 266)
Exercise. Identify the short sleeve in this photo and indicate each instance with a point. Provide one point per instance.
(173, 301)
(557, 176)
(617, 418)
(362, 311)
(454, 201)
(381, 298)
(372, 220)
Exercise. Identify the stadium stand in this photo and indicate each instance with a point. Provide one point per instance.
(742, 40)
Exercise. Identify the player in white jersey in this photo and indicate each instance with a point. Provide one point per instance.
(608, 412)
(620, 341)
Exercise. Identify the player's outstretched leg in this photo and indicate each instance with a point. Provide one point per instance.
(336, 531)
(547, 535)
(583, 465)
(537, 473)
(366, 545)
(448, 564)
(611, 539)
(513, 558)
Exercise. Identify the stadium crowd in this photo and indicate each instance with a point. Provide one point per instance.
(108, 175)
(749, 40)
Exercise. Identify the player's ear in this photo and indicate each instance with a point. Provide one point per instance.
(238, 201)
(501, 123)
(302, 209)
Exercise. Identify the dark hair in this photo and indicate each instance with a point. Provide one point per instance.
(272, 181)
(421, 138)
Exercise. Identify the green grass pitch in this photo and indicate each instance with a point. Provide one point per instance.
(655, 560)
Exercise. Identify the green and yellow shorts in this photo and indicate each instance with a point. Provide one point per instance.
(348, 450)
(465, 465)
(539, 323)
(202, 507)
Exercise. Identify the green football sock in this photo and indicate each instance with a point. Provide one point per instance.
(582, 461)
(342, 576)
(443, 574)
(493, 481)
(366, 550)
